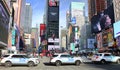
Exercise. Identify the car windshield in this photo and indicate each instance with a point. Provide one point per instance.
(25, 56)
(5, 55)
(98, 55)
(55, 55)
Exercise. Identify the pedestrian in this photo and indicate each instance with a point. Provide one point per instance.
(70, 52)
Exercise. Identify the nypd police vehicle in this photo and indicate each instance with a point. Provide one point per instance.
(18, 59)
(65, 58)
(105, 57)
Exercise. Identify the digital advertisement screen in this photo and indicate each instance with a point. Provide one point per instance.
(102, 20)
(53, 3)
(116, 27)
(107, 17)
(105, 38)
(99, 40)
(95, 24)
(53, 14)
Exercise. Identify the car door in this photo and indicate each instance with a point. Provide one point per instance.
(14, 59)
(64, 58)
(107, 57)
(67, 59)
(70, 59)
(23, 59)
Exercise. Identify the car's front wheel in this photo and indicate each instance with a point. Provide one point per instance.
(103, 61)
(8, 64)
(77, 63)
(118, 61)
(31, 63)
(58, 63)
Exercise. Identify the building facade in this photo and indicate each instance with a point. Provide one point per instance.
(34, 38)
(77, 17)
(63, 38)
(19, 12)
(117, 9)
(4, 25)
(97, 6)
(52, 20)
(102, 24)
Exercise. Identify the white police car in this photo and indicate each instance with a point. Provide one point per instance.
(18, 59)
(105, 57)
(62, 58)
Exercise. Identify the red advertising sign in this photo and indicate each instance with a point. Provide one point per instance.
(42, 29)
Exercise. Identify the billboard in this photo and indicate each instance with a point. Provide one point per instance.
(53, 43)
(107, 17)
(91, 43)
(95, 24)
(42, 29)
(110, 36)
(27, 38)
(54, 3)
(72, 47)
(99, 40)
(13, 37)
(104, 39)
(53, 14)
(73, 20)
(4, 24)
(102, 20)
(116, 27)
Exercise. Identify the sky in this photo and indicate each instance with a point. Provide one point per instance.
(38, 7)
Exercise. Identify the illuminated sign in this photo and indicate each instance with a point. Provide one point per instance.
(53, 3)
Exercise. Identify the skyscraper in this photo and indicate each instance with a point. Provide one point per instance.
(52, 20)
(28, 18)
(77, 17)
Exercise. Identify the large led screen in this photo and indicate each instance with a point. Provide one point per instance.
(95, 24)
(102, 20)
(116, 27)
(53, 3)
(107, 17)
(4, 24)
(53, 14)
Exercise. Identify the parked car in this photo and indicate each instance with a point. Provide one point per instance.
(63, 58)
(18, 59)
(105, 57)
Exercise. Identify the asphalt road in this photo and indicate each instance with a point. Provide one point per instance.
(45, 65)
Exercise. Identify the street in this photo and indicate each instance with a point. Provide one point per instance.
(44, 65)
